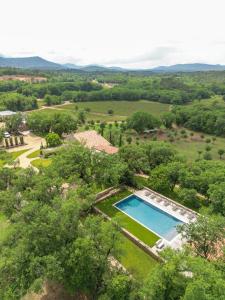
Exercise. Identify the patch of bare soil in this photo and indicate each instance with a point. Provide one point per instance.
(54, 292)
(23, 78)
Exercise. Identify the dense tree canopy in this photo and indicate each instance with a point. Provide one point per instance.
(184, 277)
(141, 121)
(58, 122)
(202, 117)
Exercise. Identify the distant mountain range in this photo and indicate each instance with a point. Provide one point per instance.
(189, 68)
(36, 62)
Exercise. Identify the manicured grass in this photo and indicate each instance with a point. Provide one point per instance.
(106, 206)
(18, 153)
(41, 163)
(134, 259)
(121, 108)
(34, 154)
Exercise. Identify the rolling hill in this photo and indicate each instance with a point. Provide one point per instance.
(34, 62)
(196, 67)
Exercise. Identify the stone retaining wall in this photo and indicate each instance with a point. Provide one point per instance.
(106, 193)
(133, 238)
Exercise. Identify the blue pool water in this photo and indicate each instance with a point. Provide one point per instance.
(150, 216)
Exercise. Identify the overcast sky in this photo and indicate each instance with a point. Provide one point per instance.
(127, 33)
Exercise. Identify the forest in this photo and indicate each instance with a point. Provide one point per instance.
(174, 89)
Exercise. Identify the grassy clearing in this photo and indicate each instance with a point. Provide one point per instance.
(90, 116)
(120, 108)
(190, 146)
(4, 227)
(135, 260)
(41, 163)
(41, 103)
(106, 206)
(18, 153)
(34, 154)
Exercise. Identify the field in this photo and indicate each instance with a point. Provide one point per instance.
(120, 108)
(135, 260)
(90, 116)
(190, 147)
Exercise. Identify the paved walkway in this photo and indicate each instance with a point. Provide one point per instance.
(33, 143)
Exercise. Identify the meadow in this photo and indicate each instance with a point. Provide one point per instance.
(120, 108)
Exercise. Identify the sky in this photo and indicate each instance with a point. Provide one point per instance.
(125, 33)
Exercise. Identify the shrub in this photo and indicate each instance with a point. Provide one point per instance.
(110, 111)
(53, 139)
(207, 156)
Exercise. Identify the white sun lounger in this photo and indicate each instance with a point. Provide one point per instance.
(160, 244)
(191, 216)
(166, 203)
(158, 200)
(182, 211)
(175, 207)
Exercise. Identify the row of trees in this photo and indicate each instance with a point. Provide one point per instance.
(57, 88)
(57, 122)
(17, 102)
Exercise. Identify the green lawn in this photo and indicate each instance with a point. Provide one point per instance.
(41, 162)
(134, 259)
(34, 154)
(121, 108)
(18, 153)
(106, 206)
(90, 116)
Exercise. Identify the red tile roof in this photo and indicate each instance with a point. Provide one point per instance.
(93, 140)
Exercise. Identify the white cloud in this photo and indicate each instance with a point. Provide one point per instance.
(130, 33)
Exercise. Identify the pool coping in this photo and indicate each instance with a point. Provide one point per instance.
(161, 237)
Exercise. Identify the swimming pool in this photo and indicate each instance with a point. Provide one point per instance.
(153, 218)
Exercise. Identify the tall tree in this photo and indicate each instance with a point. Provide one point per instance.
(204, 235)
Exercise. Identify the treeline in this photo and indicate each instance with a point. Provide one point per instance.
(56, 88)
(9, 85)
(208, 118)
(175, 89)
(118, 93)
(59, 123)
(17, 102)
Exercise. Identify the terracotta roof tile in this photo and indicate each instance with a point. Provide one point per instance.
(93, 140)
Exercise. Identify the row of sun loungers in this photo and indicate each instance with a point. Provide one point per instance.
(166, 203)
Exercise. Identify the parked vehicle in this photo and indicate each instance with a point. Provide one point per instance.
(6, 135)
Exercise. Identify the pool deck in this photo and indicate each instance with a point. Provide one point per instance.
(181, 213)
